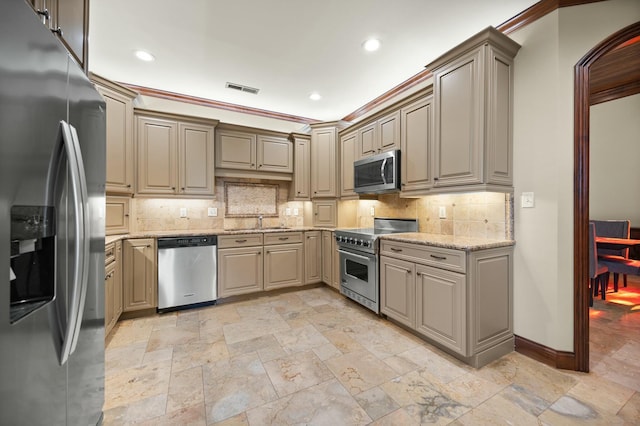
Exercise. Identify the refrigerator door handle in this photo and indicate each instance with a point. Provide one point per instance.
(81, 244)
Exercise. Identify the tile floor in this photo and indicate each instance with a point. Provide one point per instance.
(312, 357)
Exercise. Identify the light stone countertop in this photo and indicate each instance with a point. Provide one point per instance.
(447, 241)
(196, 232)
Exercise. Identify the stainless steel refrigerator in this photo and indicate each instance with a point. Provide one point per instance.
(52, 176)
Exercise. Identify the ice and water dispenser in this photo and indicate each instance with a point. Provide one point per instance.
(32, 270)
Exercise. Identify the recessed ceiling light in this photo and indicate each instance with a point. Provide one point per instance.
(315, 96)
(371, 45)
(144, 56)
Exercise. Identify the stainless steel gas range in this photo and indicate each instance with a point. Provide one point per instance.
(359, 259)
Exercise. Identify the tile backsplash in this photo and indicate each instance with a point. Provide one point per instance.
(482, 214)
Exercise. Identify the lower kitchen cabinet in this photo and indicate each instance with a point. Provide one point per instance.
(283, 266)
(240, 270)
(336, 262)
(112, 285)
(313, 257)
(140, 283)
(462, 301)
(327, 258)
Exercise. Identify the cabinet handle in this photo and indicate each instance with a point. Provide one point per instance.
(57, 31)
(418, 274)
(44, 13)
(283, 238)
(126, 215)
(267, 252)
(397, 250)
(128, 185)
(253, 164)
(182, 189)
(173, 188)
(260, 165)
(439, 257)
(108, 254)
(241, 241)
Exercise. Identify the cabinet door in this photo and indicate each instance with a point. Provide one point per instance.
(235, 150)
(367, 140)
(327, 258)
(398, 290)
(325, 213)
(347, 157)
(313, 257)
(274, 154)
(459, 117)
(71, 17)
(323, 162)
(336, 262)
(117, 215)
(240, 270)
(140, 274)
(416, 146)
(118, 302)
(157, 151)
(119, 125)
(389, 132)
(196, 159)
(441, 307)
(109, 298)
(302, 169)
(283, 266)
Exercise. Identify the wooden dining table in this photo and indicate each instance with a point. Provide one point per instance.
(616, 243)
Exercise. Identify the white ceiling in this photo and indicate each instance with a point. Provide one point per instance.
(286, 48)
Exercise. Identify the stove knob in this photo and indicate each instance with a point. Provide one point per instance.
(367, 243)
(350, 240)
(361, 243)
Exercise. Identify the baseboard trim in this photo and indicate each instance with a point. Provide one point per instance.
(545, 354)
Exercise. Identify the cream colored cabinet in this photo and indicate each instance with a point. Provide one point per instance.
(347, 157)
(325, 213)
(379, 136)
(461, 301)
(324, 162)
(119, 125)
(313, 257)
(112, 285)
(415, 145)
(473, 102)
(240, 270)
(140, 282)
(301, 187)
(284, 263)
(336, 262)
(175, 156)
(241, 150)
(117, 215)
(327, 257)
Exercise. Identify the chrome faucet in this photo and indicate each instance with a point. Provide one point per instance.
(260, 222)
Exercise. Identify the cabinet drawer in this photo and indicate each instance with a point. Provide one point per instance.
(282, 238)
(452, 260)
(239, 240)
(109, 253)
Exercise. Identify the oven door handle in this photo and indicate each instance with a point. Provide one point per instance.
(348, 253)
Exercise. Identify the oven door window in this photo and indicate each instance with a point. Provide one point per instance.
(357, 270)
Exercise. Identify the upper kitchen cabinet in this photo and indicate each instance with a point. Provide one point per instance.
(347, 157)
(324, 149)
(253, 150)
(379, 136)
(301, 188)
(175, 155)
(120, 159)
(415, 145)
(473, 100)
(69, 20)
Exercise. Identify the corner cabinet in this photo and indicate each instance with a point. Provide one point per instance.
(140, 281)
(473, 102)
(324, 149)
(461, 301)
(313, 257)
(347, 157)
(301, 187)
(175, 155)
(327, 258)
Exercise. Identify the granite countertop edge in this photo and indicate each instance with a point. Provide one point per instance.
(197, 232)
(448, 241)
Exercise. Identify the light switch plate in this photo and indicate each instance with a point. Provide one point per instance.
(212, 211)
(287, 211)
(527, 200)
(183, 212)
(442, 212)
(373, 211)
(295, 212)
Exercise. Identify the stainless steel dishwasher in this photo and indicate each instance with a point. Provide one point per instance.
(187, 269)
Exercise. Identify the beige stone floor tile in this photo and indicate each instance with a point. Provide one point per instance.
(186, 388)
(252, 328)
(239, 420)
(381, 339)
(600, 393)
(219, 315)
(165, 354)
(134, 384)
(471, 390)
(195, 354)
(187, 416)
(360, 371)
(123, 357)
(630, 413)
(396, 418)
(136, 411)
(570, 411)
(497, 411)
(376, 402)
(211, 334)
(326, 351)
(267, 346)
(343, 341)
(166, 337)
(129, 333)
(300, 339)
(327, 403)
(295, 372)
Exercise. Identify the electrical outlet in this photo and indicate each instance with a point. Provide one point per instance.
(527, 200)
(287, 211)
(372, 211)
(212, 211)
(183, 212)
(442, 212)
(295, 212)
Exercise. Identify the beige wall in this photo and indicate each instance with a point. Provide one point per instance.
(543, 162)
(614, 150)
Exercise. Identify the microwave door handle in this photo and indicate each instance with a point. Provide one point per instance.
(382, 167)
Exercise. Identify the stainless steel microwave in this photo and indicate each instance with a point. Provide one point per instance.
(377, 174)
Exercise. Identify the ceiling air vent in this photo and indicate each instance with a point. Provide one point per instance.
(242, 88)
